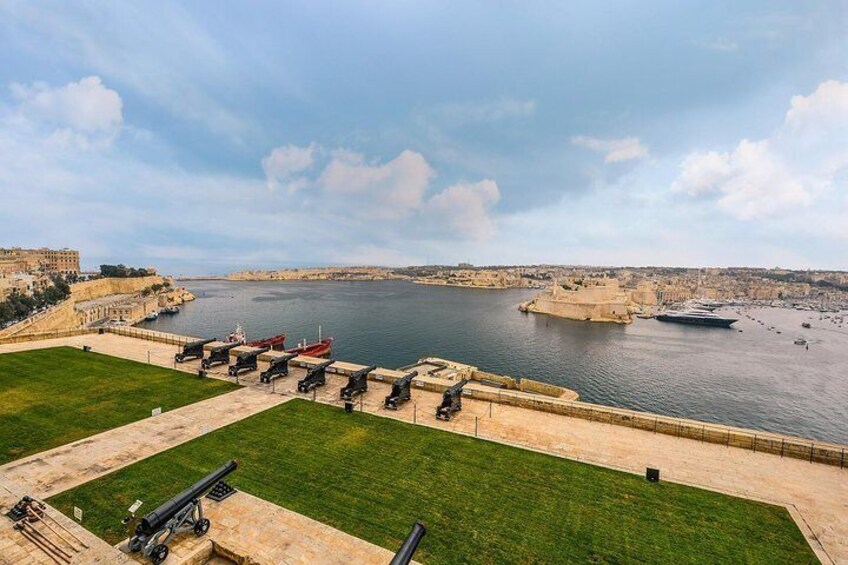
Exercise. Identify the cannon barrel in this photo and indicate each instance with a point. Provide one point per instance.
(199, 343)
(323, 365)
(225, 347)
(410, 544)
(455, 389)
(154, 521)
(284, 359)
(404, 380)
(358, 374)
(247, 355)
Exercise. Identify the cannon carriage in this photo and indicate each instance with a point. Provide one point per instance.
(357, 383)
(247, 361)
(401, 391)
(315, 377)
(219, 355)
(279, 367)
(451, 401)
(192, 350)
(183, 513)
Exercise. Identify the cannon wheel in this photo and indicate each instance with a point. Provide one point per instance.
(201, 527)
(159, 554)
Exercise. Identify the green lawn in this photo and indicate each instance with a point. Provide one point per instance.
(50, 397)
(482, 502)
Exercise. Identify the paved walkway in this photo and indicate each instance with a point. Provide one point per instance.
(816, 495)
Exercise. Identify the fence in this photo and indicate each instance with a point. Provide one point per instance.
(51, 334)
(150, 335)
(784, 446)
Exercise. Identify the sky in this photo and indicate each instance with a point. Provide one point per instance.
(204, 137)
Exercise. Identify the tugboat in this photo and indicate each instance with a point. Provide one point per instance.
(277, 342)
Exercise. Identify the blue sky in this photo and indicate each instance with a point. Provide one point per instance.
(203, 137)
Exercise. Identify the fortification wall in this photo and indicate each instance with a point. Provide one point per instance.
(64, 317)
(603, 312)
(89, 290)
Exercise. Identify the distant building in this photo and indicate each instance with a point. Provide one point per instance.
(52, 261)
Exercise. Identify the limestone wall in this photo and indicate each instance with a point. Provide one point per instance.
(64, 317)
(89, 290)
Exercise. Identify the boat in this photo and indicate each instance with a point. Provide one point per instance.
(805, 325)
(696, 318)
(152, 316)
(170, 310)
(277, 342)
(800, 341)
(321, 348)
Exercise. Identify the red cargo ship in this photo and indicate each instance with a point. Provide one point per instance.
(317, 349)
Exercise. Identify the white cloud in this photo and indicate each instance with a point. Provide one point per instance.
(390, 190)
(79, 113)
(615, 150)
(793, 168)
(466, 207)
(283, 163)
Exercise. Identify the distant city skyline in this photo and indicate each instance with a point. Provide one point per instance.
(204, 139)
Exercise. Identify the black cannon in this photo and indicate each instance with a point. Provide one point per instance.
(192, 350)
(279, 367)
(182, 513)
(357, 383)
(451, 401)
(315, 377)
(218, 355)
(401, 391)
(410, 544)
(248, 361)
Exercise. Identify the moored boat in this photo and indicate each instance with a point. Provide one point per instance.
(320, 348)
(277, 342)
(696, 318)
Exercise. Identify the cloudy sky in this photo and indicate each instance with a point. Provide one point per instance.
(203, 137)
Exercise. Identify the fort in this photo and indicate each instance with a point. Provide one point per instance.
(801, 477)
(596, 300)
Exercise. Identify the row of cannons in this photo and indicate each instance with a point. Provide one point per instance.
(316, 376)
(150, 536)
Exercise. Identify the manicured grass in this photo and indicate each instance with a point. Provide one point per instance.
(50, 397)
(482, 502)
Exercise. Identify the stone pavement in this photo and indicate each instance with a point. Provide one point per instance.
(271, 535)
(816, 495)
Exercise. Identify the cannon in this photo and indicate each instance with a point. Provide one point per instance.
(357, 383)
(315, 377)
(451, 401)
(182, 513)
(248, 361)
(192, 350)
(401, 391)
(410, 544)
(279, 367)
(218, 355)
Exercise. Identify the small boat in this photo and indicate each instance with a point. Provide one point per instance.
(317, 349)
(170, 310)
(800, 341)
(805, 325)
(277, 342)
(152, 316)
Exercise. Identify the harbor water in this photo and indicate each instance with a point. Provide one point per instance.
(757, 378)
